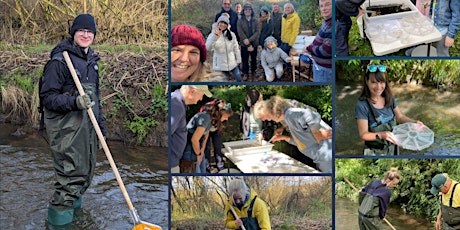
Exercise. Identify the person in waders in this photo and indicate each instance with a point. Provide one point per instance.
(72, 137)
(245, 208)
(449, 192)
(377, 113)
(374, 199)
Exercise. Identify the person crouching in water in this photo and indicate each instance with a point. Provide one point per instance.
(272, 59)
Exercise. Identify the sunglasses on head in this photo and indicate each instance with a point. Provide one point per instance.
(374, 68)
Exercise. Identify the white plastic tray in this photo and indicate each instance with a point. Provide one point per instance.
(245, 146)
(413, 136)
(390, 31)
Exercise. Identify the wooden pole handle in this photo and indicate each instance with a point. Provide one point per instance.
(99, 132)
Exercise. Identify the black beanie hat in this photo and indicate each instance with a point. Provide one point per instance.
(83, 21)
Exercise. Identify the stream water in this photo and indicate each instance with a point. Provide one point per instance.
(27, 178)
(439, 110)
(346, 217)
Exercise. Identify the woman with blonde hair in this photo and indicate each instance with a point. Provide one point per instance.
(374, 199)
(309, 133)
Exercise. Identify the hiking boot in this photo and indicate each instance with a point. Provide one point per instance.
(245, 77)
(60, 217)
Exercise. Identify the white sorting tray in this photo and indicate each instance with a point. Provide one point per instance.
(391, 32)
(272, 161)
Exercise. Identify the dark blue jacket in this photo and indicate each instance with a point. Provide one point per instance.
(58, 88)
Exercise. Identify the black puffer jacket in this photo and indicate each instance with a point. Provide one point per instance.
(57, 88)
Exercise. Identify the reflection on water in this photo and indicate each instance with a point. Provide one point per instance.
(346, 217)
(437, 110)
(27, 177)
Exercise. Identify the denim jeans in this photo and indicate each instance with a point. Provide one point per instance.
(235, 72)
(321, 74)
(201, 168)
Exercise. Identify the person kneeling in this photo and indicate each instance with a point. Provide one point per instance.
(272, 59)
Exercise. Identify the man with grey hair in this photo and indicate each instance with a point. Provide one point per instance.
(449, 192)
(180, 99)
(244, 208)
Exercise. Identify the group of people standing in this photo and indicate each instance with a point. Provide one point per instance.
(240, 41)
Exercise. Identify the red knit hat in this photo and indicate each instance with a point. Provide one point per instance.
(188, 35)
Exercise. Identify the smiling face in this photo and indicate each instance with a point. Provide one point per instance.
(271, 44)
(376, 88)
(226, 5)
(222, 26)
(185, 60)
(325, 6)
(288, 9)
(83, 38)
(247, 12)
(238, 8)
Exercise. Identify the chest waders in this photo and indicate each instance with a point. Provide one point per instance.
(380, 147)
(369, 209)
(250, 223)
(73, 142)
(450, 215)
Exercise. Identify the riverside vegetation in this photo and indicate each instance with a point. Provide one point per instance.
(132, 42)
(412, 195)
(293, 202)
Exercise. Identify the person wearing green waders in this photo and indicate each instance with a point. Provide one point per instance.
(377, 113)
(448, 191)
(374, 199)
(72, 137)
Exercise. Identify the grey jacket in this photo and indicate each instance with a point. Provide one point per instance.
(270, 58)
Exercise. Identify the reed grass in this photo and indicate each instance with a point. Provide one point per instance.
(118, 21)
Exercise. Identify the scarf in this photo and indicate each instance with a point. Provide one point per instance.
(262, 19)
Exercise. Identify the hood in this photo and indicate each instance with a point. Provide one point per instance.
(69, 46)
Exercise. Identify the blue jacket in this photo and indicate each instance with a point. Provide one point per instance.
(58, 88)
(447, 15)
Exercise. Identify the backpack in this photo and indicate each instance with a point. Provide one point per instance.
(369, 204)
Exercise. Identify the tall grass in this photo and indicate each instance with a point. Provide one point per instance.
(291, 200)
(118, 21)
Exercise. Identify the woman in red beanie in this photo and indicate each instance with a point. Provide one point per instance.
(188, 54)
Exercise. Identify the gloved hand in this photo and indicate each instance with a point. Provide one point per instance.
(84, 102)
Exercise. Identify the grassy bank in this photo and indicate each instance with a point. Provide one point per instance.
(133, 89)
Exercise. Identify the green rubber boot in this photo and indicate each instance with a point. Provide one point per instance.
(60, 217)
(77, 203)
